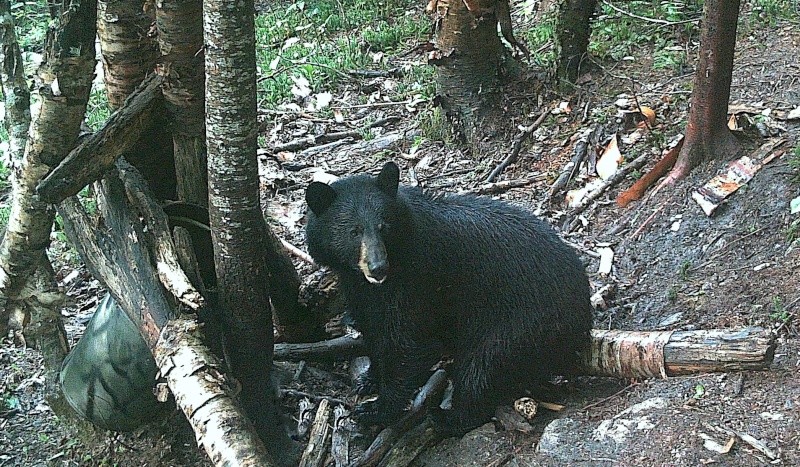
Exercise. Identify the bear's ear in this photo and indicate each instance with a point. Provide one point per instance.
(319, 197)
(389, 178)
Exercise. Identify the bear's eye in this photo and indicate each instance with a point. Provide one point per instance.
(383, 227)
(355, 232)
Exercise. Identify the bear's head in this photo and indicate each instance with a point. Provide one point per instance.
(351, 223)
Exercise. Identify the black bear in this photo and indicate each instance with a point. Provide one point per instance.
(426, 276)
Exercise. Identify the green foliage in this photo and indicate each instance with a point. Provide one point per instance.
(97, 110)
(32, 19)
(771, 11)
(779, 312)
(793, 160)
(793, 231)
(684, 269)
(321, 40)
(616, 35)
(672, 294)
(433, 126)
(538, 36)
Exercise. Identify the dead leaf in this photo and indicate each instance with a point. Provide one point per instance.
(610, 160)
(649, 115)
(732, 124)
(553, 407)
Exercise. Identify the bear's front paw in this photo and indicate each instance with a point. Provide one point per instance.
(367, 413)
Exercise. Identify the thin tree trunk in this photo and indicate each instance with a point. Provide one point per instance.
(572, 36)
(467, 59)
(707, 133)
(180, 36)
(130, 52)
(15, 87)
(26, 280)
(17, 122)
(238, 228)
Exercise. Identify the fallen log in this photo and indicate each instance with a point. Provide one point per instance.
(338, 348)
(623, 354)
(317, 447)
(644, 354)
(98, 153)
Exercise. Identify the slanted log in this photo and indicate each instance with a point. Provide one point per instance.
(97, 154)
(431, 393)
(115, 249)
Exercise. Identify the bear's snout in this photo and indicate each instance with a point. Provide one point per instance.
(373, 261)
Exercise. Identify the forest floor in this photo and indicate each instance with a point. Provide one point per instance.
(674, 268)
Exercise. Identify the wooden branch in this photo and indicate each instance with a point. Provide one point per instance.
(98, 153)
(430, 393)
(572, 167)
(195, 377)
(338, 348)
(166, 258)
(411, 445)
(661, 354)
(114, 250)
(340, 439)
(317, 447)
(511, 158)
(613, 180)
(304, 417)
(309, 141)
(636, 191)
(505, 185)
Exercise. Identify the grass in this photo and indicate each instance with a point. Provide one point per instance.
(321, 41)
(772, 11)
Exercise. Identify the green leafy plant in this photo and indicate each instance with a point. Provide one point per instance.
(779, 312)
(684, 269)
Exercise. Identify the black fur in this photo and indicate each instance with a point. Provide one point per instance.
(479, 280)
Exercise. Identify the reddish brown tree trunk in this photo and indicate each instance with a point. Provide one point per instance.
(180, 35)
(130, 51)
(707, 133)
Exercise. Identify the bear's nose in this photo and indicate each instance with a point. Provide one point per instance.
(378, 272)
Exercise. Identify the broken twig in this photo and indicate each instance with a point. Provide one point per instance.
(511, 158)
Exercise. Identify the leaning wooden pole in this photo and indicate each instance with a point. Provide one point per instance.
(133, 261)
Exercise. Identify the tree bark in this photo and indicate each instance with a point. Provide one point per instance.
(98, 153)
(128, 46)
(130, 52)
(180, 36)
(467, 58)
(26, 279)
(15, 87)
(572, 33)
(707, 134)
(238, 229)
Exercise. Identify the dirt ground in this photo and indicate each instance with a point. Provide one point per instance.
(674, 268)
